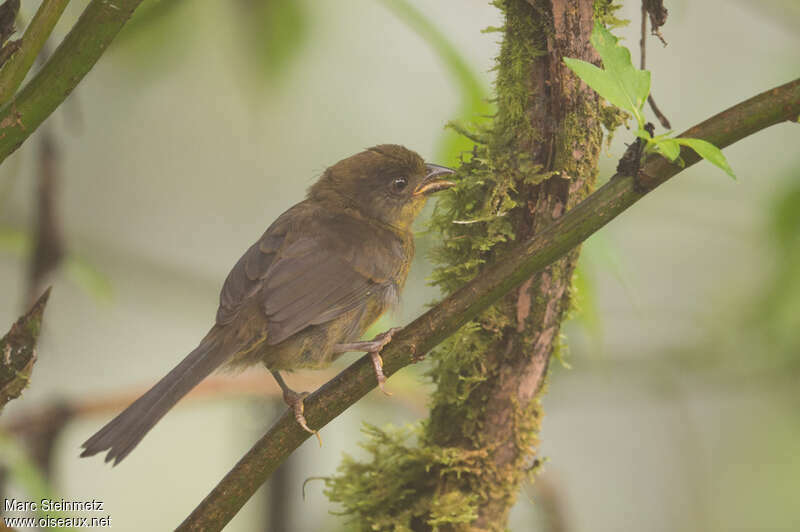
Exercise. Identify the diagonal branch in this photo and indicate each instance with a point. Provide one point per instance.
(218, 508)
(73, 59)
(33, 40)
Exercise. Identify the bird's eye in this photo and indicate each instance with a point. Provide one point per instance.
(399, 184)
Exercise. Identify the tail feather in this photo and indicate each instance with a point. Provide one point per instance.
(124, 432)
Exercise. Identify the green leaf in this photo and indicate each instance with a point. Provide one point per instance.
(602, 82)
(622, 84)
(669, 148)
(709, 152)
(634, 83)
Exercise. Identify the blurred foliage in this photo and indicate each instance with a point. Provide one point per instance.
(778, 312)
(148, 39)
(79, 269)
(584, 309)
(23, 473)
(9, 180)
(474, 105)
(273, 33)
(598, 254)
(148, 16)
(84, 274)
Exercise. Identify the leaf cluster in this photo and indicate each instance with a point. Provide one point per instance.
(626, 87)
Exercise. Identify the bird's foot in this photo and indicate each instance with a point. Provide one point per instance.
(373, 347)
(295, 402)
(377, 365)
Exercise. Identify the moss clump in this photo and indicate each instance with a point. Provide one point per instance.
(605, 13)
(397, 489)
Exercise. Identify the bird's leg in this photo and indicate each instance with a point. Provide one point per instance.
(295, 402)
(373, 347)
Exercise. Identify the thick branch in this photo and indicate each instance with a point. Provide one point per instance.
(423, 334)
(72, 60)
(36, 34)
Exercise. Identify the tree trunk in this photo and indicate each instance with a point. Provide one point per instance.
(537, 160)
(547, 137)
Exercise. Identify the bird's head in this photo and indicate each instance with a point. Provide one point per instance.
(388, 183)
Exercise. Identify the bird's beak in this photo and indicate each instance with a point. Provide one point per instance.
(431, 183)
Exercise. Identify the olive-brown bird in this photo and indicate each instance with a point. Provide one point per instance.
(307, 290)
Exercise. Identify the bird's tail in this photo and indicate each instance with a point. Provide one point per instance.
(124, 432)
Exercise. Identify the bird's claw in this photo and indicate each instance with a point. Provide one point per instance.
(384, 338)
(373, 347)
(377, 364)
(295, 402)
(379, 342)
(417, 357)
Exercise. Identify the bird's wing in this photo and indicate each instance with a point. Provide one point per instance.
(313, 283)
(245, 279)
(310, 275)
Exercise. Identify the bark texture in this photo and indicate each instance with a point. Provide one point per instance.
(548, 127)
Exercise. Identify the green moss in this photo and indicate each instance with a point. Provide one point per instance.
(612, 118)
(442, 472)
(605, 13)
(397, 487)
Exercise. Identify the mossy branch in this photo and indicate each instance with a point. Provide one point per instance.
(18, 351)
(423, 334)
(73, 59)
(36, 34)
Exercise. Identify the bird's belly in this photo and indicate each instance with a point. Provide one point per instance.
(313, 346)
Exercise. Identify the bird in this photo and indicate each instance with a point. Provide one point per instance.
(306, 291)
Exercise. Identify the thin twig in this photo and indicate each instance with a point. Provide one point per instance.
(8, 17)
(39, 29)
(226, 499)
(658, 16)
(100, 22)
(662, 119)
(643, 39)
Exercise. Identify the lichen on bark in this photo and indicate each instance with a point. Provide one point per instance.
(462, 468)
(18, 351)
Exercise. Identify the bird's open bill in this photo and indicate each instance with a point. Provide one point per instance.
(431, 183)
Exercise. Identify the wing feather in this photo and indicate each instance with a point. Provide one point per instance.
(309, 269)
(311, 284)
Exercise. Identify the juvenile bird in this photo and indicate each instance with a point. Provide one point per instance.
(307, 290)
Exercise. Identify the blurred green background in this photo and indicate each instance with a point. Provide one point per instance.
(205, 120)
